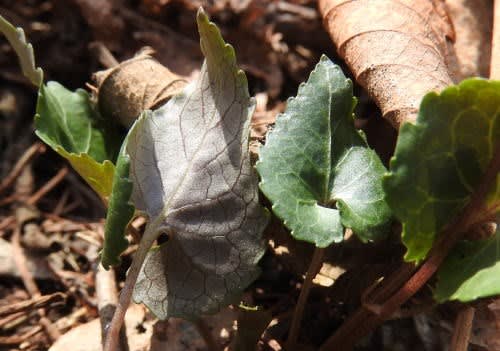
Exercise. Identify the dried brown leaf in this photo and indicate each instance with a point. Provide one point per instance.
(135, 85)
(473, 22)
(87, 337)
(487, 326)
(398, 50)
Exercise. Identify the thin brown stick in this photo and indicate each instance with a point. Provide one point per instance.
(7, 222)
(364, 321)
(32, 151)
(20, 259)
(495, 44)
(207, 336)
(51, 184)
(82, 190)
(18, 339)
(6, 322)
(462, 329)
(107, 299)
(314, 267)
(9, 199)
(103, 54)
(36, 302)
(29, 283)
(113, 334)
(61, 203)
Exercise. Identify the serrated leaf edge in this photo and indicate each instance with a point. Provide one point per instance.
(290, 101)
(24, 51)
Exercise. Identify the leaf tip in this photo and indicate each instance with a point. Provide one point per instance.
(106, 263)
(201, 16)
(24, 51)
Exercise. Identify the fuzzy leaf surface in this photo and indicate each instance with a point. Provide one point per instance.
(471, 271)
(315, 158)
(67, 122)
(120, 211)
(192, 176)
(439, 161)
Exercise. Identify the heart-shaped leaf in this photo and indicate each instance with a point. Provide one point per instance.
(192, 176)
(69, 124)
(315, 159)
(439, 161)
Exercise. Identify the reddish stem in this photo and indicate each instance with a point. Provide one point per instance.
(314, 267)
(363, 320)
(113, 330)
(462, 330)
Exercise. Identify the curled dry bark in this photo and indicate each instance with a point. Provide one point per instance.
(135, 85)
(398, 50)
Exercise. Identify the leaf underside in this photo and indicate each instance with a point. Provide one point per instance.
(67, 122)
(471, 271)
(192, 177)
(439, 161)
(315, 159)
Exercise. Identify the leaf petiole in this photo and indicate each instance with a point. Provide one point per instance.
(113, 330)
(363, 321)
(314, 267)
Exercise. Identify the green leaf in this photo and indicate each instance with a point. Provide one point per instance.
(315, 159)
(192, 176)
(471, 271)
(120, 211)
(67, 122)
(440, 160)
(24, 51)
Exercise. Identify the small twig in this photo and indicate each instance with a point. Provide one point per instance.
(107, 299)
(103, 54)
(68, 322)
(84, 191)
(7, 222)
(495, 44)
(51, 184)
(34, 149)
(29, 283)
(61, 203)
(207, 335)
(462, 329)
(36, 302)
(113, 333)
(18, 339)
(314, 266)
(144, 22)
(5, 322)
(70, 207)
(9, 199)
